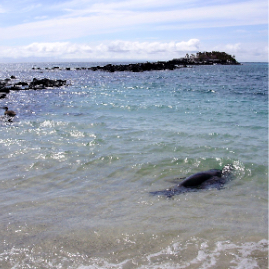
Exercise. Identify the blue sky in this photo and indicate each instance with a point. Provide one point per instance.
(97, 30)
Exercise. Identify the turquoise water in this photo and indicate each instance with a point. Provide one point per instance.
(77, 165)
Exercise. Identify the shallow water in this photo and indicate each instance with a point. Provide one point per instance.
(77, 165)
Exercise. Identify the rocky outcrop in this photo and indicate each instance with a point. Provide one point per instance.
(7, 85)
(45, 83)
(201, 58)
(138, 67)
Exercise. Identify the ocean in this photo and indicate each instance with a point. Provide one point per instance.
(78, 163)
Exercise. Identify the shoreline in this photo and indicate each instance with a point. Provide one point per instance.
(147, 66)
(201, 58)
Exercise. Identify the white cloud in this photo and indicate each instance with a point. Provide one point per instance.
(115, 49)
(82, 8)
(128, 50)
(153, 47)
(110, 18)
(234, 47)
(67, 29)
(55, 49)
(245, 52)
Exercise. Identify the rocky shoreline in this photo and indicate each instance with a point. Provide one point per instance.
(141, 67)
(167, 65)
(8, 85)
(205, 58)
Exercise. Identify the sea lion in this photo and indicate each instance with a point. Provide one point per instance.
(213, 178)
(199, 178)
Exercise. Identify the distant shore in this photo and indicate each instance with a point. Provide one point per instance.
(201, 58)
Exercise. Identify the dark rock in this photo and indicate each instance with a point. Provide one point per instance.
(4, 86)
(36, 84)
(14, 88)
(21, 84)
(138, 67)
(45, 83)
(4, 90)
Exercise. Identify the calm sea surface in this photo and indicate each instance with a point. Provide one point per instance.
(78, 162)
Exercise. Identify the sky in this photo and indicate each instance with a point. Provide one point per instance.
(117, 30)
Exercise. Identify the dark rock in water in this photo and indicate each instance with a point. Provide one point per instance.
(213, 178)
(138, 67)
(6, 86)
(13, 77)
(21, 84)
(14, 88)
(37, 84)
(3, 86)
(4, 90)
(45, 83)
